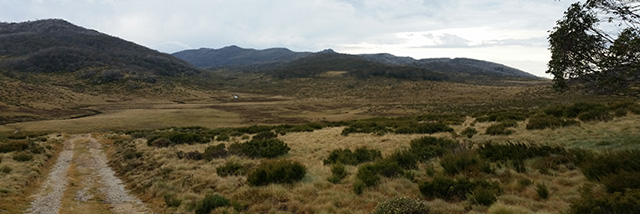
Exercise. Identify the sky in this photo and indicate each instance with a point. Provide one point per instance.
(510, 32)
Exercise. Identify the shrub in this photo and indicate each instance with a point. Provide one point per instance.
(176, 137)
(595, 167)
(405, 159)
(171, 201)
(468, 162)
(131, 153)
(427, 147)
(422, 128)
(232, 168)
(222, 137)
(618, 202)
(546, 121)
(402, 206)
(265, 135)
(264, 148)
(6, 169)
(514, 115)
(524, 182)
(358, 187)
(469, 132)
(347, 157)
(456, 190)
(211, 202)
(217, 151)
(368, 175)
(621, 181)
(388, 168)
(22, 157)
(600, 113)
(338, 173)
(484, 196)
(517, 151)
(279, 171)
(542, 190)
(499, 129)
(13, 145)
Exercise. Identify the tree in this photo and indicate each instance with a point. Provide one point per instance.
(584, 50)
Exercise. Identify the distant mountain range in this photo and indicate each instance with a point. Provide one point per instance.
(283, 62)
(54, 45)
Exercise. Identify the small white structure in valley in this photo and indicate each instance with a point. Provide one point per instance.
(235, 96)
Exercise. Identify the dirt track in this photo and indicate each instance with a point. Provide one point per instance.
(82, 182)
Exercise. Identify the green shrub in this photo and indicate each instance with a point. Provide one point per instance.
(618, 202)
(6, 169)
(358, 187)
(217, 151)
(368, 175)
(600, 113)
(347, 157)
(499, 129)
(524, 183)
(177, 137)
(405, 159)
(232, 168)
(457, 190)
(402, 206)
(468, 162)
(513, 115)
(160, 142)
(542, 190)
(171, 201)
(338, 173)
(484, 196)
(388, 168)
(278, 171)
(546, 121)
(427, 147)
(223, 137)
(517, 151)
(13, 145)
(131, 153)
(422, 128)
(621, 181)
(263, 148)
(265, 135)
(22, 157)
(469, 132)
(193, 155)
(598, 166)
(211, 202)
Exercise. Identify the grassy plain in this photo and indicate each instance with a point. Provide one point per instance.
(159, 173)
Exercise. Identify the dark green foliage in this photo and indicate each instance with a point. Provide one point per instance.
(449, 119)
(542, 190)
(484, 195)
(264, 148)
(366, 127)
(277, 171)
(402, 206)
(405, 159)
(347, 157)
(618, 202)
(611, 168)
(358, 187)
(177, 137)
(22, 157)
(469, 132)
(600, 113)
(621, 181)
(217, 151)
(388, 168)
(507, 115)
(456, 190)
(368, 175)
(210, 203)
(6, 169)
(467, 162)
(223, 137)
(427, 147)
(547, 121)
(13, 145)
(524, 182)
(422, 128)
(131, 153)
(500, 129)
(338, 173)
(265, 135)
(232, 168)
(171, 201)
(193, 155)
(517, 151)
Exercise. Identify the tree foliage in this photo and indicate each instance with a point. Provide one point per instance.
(597, 44)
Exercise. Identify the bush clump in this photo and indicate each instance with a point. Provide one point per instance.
(500, 129)
(211, 202)
(547, 121)
(402, 206)
(265, 135)
(427, 147)
(217, 151)
(617, 170)
(618, 202)
(469, 132)
(22, 157)
(484, 195)
(467, 162)
(422, 128)
(278, 171)
(171, 201)
(456, 190)
(177, 137)
(232, 168)
(13, 145)
(269, 148)
(338, 172)
(347, 157)
(542, 190)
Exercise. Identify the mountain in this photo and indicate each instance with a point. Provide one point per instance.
(57, 46)
(239, 58)
(283, 63)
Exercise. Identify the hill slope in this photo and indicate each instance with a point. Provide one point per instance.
(53, 45)
(279, 61)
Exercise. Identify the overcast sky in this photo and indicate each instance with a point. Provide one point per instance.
(511, 32)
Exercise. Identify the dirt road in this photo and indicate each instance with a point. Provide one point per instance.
(82, 182)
